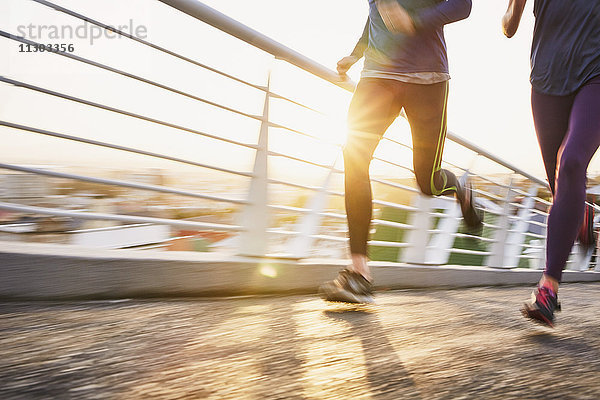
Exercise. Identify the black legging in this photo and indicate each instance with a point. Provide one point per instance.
(375, 105)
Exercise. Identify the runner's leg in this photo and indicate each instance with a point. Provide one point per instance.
(551, 120)
(426, 111)
(375, 105)
(578, 147)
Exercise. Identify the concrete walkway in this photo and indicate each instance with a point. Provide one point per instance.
(414, 344)
(42, 272)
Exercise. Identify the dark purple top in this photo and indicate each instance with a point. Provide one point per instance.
(565, 52)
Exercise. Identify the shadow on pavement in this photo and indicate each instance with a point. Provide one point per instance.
(564, 346)
(280, 361)
(387, 377)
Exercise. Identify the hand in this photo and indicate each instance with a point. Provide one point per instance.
(345, 63)
(395, 17)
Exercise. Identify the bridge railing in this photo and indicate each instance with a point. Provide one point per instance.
(289, 201)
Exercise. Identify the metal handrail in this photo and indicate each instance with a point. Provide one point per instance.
(99, 24)
(127, 74)
(226, 24)
(120, 218)
(114, 182)
(126, 113)
(104, 144)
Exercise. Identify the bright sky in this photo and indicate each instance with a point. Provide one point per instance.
(489, 99)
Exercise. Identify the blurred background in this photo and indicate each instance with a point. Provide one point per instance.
(166, 125)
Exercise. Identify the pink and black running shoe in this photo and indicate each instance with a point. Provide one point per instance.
(542, 305)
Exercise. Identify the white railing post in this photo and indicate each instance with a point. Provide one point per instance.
(581, 257)
(441, 243)
(255, 216)
(516, 235)
(300, 246)
(496, 259)
(418, 236)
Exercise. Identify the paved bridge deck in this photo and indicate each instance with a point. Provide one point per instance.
(61, 272)
(414, 344)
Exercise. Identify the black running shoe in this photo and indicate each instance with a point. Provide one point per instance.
(542, 305)
(471, 215)
(348, 287)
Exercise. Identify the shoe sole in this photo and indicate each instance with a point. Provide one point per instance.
(342, 296)
(536, 316)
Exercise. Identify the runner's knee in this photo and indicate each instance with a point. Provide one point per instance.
(358, 152)
(424, 183)
(571, 166)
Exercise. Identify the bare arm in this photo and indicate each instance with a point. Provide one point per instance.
(512, 18)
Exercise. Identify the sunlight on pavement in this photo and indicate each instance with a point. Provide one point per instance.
(335, 363)
(236, 330)
(268, 271)
(255, 309)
